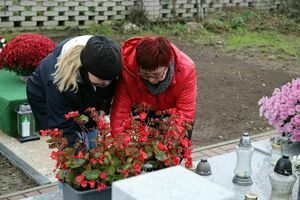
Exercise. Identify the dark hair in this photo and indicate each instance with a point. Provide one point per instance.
(153, 52)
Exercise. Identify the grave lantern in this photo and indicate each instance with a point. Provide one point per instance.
(203, 168)
(282, 179)
(243, 171)
(25, 123)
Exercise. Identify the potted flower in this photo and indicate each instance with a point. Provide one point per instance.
(23, 53)
(88, 173)
(282, 110)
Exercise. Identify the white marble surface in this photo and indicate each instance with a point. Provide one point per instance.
(174, 183)
(223, 171)
(263, 146)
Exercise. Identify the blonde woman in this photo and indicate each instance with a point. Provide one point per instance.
(81, 72)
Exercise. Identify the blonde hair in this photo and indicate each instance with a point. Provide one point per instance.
(67, 66)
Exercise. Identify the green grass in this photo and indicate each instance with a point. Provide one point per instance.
(268, 42)
(238, 30)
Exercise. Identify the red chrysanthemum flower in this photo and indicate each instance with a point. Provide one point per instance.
(24, 53)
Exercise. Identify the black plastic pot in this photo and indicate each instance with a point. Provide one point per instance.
(71, 194)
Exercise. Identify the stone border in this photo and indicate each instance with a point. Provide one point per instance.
(232, 141)
(21, 164)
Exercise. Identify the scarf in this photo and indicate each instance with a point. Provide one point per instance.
(162, 86)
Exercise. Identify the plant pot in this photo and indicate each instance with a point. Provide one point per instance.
(70, 193)
(291, 149)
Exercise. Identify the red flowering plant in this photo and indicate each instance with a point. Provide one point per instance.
(161, 142)
(23, 53)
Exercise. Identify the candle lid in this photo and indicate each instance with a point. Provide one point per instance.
(245, 140)
(203, 168)
(284, 166)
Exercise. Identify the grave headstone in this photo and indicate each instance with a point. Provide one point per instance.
(174, 183)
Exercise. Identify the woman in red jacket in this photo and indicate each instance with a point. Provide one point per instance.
(157, 73)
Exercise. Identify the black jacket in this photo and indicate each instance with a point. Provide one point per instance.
(49, 105)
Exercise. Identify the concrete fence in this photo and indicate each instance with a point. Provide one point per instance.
(53, 13)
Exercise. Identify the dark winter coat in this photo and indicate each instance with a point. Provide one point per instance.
(49, 105)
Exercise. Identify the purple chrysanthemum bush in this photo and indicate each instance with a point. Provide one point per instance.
(282, 109)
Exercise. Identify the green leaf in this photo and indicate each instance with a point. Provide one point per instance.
(116, 162)
(91, 174)
(126, 166)
(106, 161)
(108, 155)
(69, 151)
(97, 154)
(111, 170)
(49, 140)
(61, 174)
(132, 151)
(70, 178)
(84, 118)
(161, 156)
(129, 159)
(78, 163)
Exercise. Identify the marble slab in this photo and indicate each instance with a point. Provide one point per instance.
(263, 146)
(223, 171)
(173, 183)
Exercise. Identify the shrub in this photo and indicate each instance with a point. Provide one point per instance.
(23, 53)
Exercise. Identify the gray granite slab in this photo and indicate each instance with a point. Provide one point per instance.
(263, 146)
(173, 183)
(223, 171)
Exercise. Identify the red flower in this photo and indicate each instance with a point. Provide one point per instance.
(162, 147)
(44, 132)
(188, 163)
(176, 160)
(185, 142)
(167, 162)
(94, 161)
(72, 114)
(143, 155)
(84, 183)
(126, 140)
(142, 116)
(102, 175)
(79, 178)
(23, 53)
(101, 186)
(53, 155)
(80, 155)
(137, 168)
(92, 183)
(125, 172)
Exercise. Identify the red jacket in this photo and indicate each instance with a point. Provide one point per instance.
(131, 90)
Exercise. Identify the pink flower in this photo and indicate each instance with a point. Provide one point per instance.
(282, 109)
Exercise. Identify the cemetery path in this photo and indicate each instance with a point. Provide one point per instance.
(229, 87)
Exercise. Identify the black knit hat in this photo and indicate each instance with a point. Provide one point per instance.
(102, 58)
